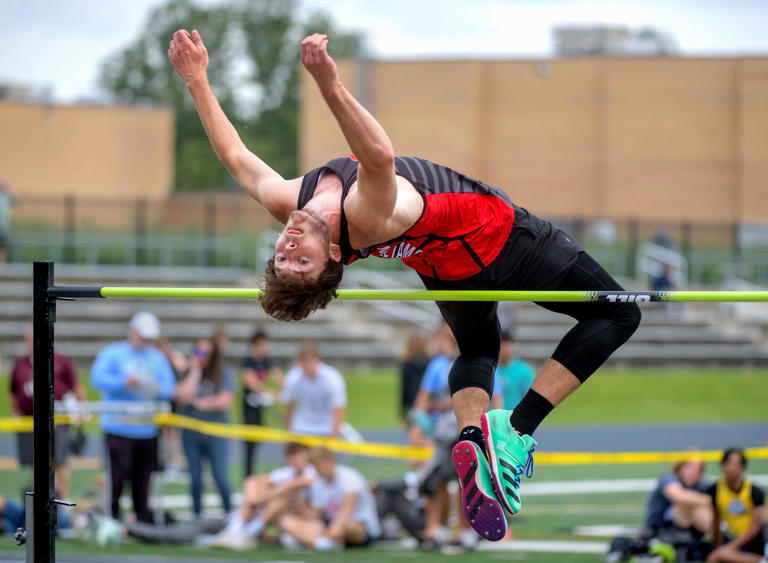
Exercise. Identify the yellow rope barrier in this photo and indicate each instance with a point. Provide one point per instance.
(253, 433)
(264, 434)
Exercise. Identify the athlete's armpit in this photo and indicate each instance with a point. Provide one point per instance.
(377, 217)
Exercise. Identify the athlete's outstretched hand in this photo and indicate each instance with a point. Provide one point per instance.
(188, 55)
(315, 58)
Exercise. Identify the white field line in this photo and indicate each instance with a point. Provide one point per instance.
(528, 488)
(547, 546)
(543, 546)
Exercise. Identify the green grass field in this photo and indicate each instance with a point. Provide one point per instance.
(544, 517)
(609, 397)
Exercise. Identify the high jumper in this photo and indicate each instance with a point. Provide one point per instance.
(456, 232)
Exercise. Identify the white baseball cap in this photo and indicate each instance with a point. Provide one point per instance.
(146, 324)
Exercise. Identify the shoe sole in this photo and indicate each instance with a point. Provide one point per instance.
(482, 511)
(486, 427)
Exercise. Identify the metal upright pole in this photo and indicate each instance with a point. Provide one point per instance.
(43, 522)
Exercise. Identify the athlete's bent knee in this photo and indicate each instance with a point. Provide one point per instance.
(472, 371)
(629, 318)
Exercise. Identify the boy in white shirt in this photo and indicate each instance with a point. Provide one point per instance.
(267, 497)
(314, 394)
(342, 510)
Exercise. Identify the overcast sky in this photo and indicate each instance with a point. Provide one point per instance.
(59, 43)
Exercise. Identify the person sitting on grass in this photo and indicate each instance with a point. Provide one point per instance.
(267, 497)
(739, 504)
(11, 515)
(680, 500)
(341, 512)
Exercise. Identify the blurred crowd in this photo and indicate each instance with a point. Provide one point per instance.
(692, 518)
(314, 500)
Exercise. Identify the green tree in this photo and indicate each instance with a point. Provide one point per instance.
(253, 47)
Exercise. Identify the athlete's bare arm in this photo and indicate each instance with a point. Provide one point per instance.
(379, 208)
(190, 59)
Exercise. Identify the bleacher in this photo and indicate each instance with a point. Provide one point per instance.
(352, 334)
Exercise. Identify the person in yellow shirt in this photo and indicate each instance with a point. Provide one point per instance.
(740, 505)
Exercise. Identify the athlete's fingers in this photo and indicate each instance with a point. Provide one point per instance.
(182, 37)
(313, 49)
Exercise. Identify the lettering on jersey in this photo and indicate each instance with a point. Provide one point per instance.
(628, 298)
(399, 250)
(736, 507)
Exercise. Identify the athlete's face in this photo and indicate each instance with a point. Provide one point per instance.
(302, 249)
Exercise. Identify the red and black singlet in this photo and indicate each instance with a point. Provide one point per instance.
(464, 225)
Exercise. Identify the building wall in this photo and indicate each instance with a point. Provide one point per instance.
(107, 152)
(654, 139)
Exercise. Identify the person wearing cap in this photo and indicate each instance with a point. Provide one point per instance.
(132, 370)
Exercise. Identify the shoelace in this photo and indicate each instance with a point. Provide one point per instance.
(527, 468)
(529, 464)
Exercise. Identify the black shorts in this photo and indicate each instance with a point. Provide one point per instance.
(756, 546)
(438, 471)
(601, 329)
(25, 446)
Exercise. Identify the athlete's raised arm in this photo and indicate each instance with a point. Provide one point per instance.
(189, 57)
(377, 185)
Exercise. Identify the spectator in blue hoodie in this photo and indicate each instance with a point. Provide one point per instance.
(132, 370)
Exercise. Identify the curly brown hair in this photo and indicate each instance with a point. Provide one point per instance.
(289, 298)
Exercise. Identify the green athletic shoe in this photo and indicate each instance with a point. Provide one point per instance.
(510, 455)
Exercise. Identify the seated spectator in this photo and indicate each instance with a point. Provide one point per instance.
(341, 511)
(314, 394)
(664, 281)
(267, 497)
(206, 393)
(680, 500)
(11, 515)
(739, 504)
(400, 498)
